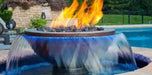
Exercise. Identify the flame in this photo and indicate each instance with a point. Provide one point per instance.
(86, 15)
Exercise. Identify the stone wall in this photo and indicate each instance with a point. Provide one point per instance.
(22, 17)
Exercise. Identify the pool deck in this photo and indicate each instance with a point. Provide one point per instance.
(143, 51)
(127, 26)
(146, 70)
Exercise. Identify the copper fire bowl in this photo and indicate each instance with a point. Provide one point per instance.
(34, 32)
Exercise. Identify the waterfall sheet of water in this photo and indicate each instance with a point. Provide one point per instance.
(102, 55)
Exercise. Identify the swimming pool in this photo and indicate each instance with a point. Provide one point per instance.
(138, 37)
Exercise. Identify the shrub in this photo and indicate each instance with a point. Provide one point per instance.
(37, 22)
(1, 1)
(6, 15)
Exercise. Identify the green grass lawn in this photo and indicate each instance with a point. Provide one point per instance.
(118, 19)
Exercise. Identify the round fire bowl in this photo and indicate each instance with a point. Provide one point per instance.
(80, 49)
(54, 45)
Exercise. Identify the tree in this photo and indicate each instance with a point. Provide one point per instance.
(127, 5)
(115, 5)
(140, 5)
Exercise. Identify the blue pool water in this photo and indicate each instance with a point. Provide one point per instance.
(138, 37)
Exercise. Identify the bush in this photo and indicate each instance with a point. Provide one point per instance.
(6, 15)
(37, 22)
(1, 1)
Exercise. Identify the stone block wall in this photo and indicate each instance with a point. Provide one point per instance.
(23, 17)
